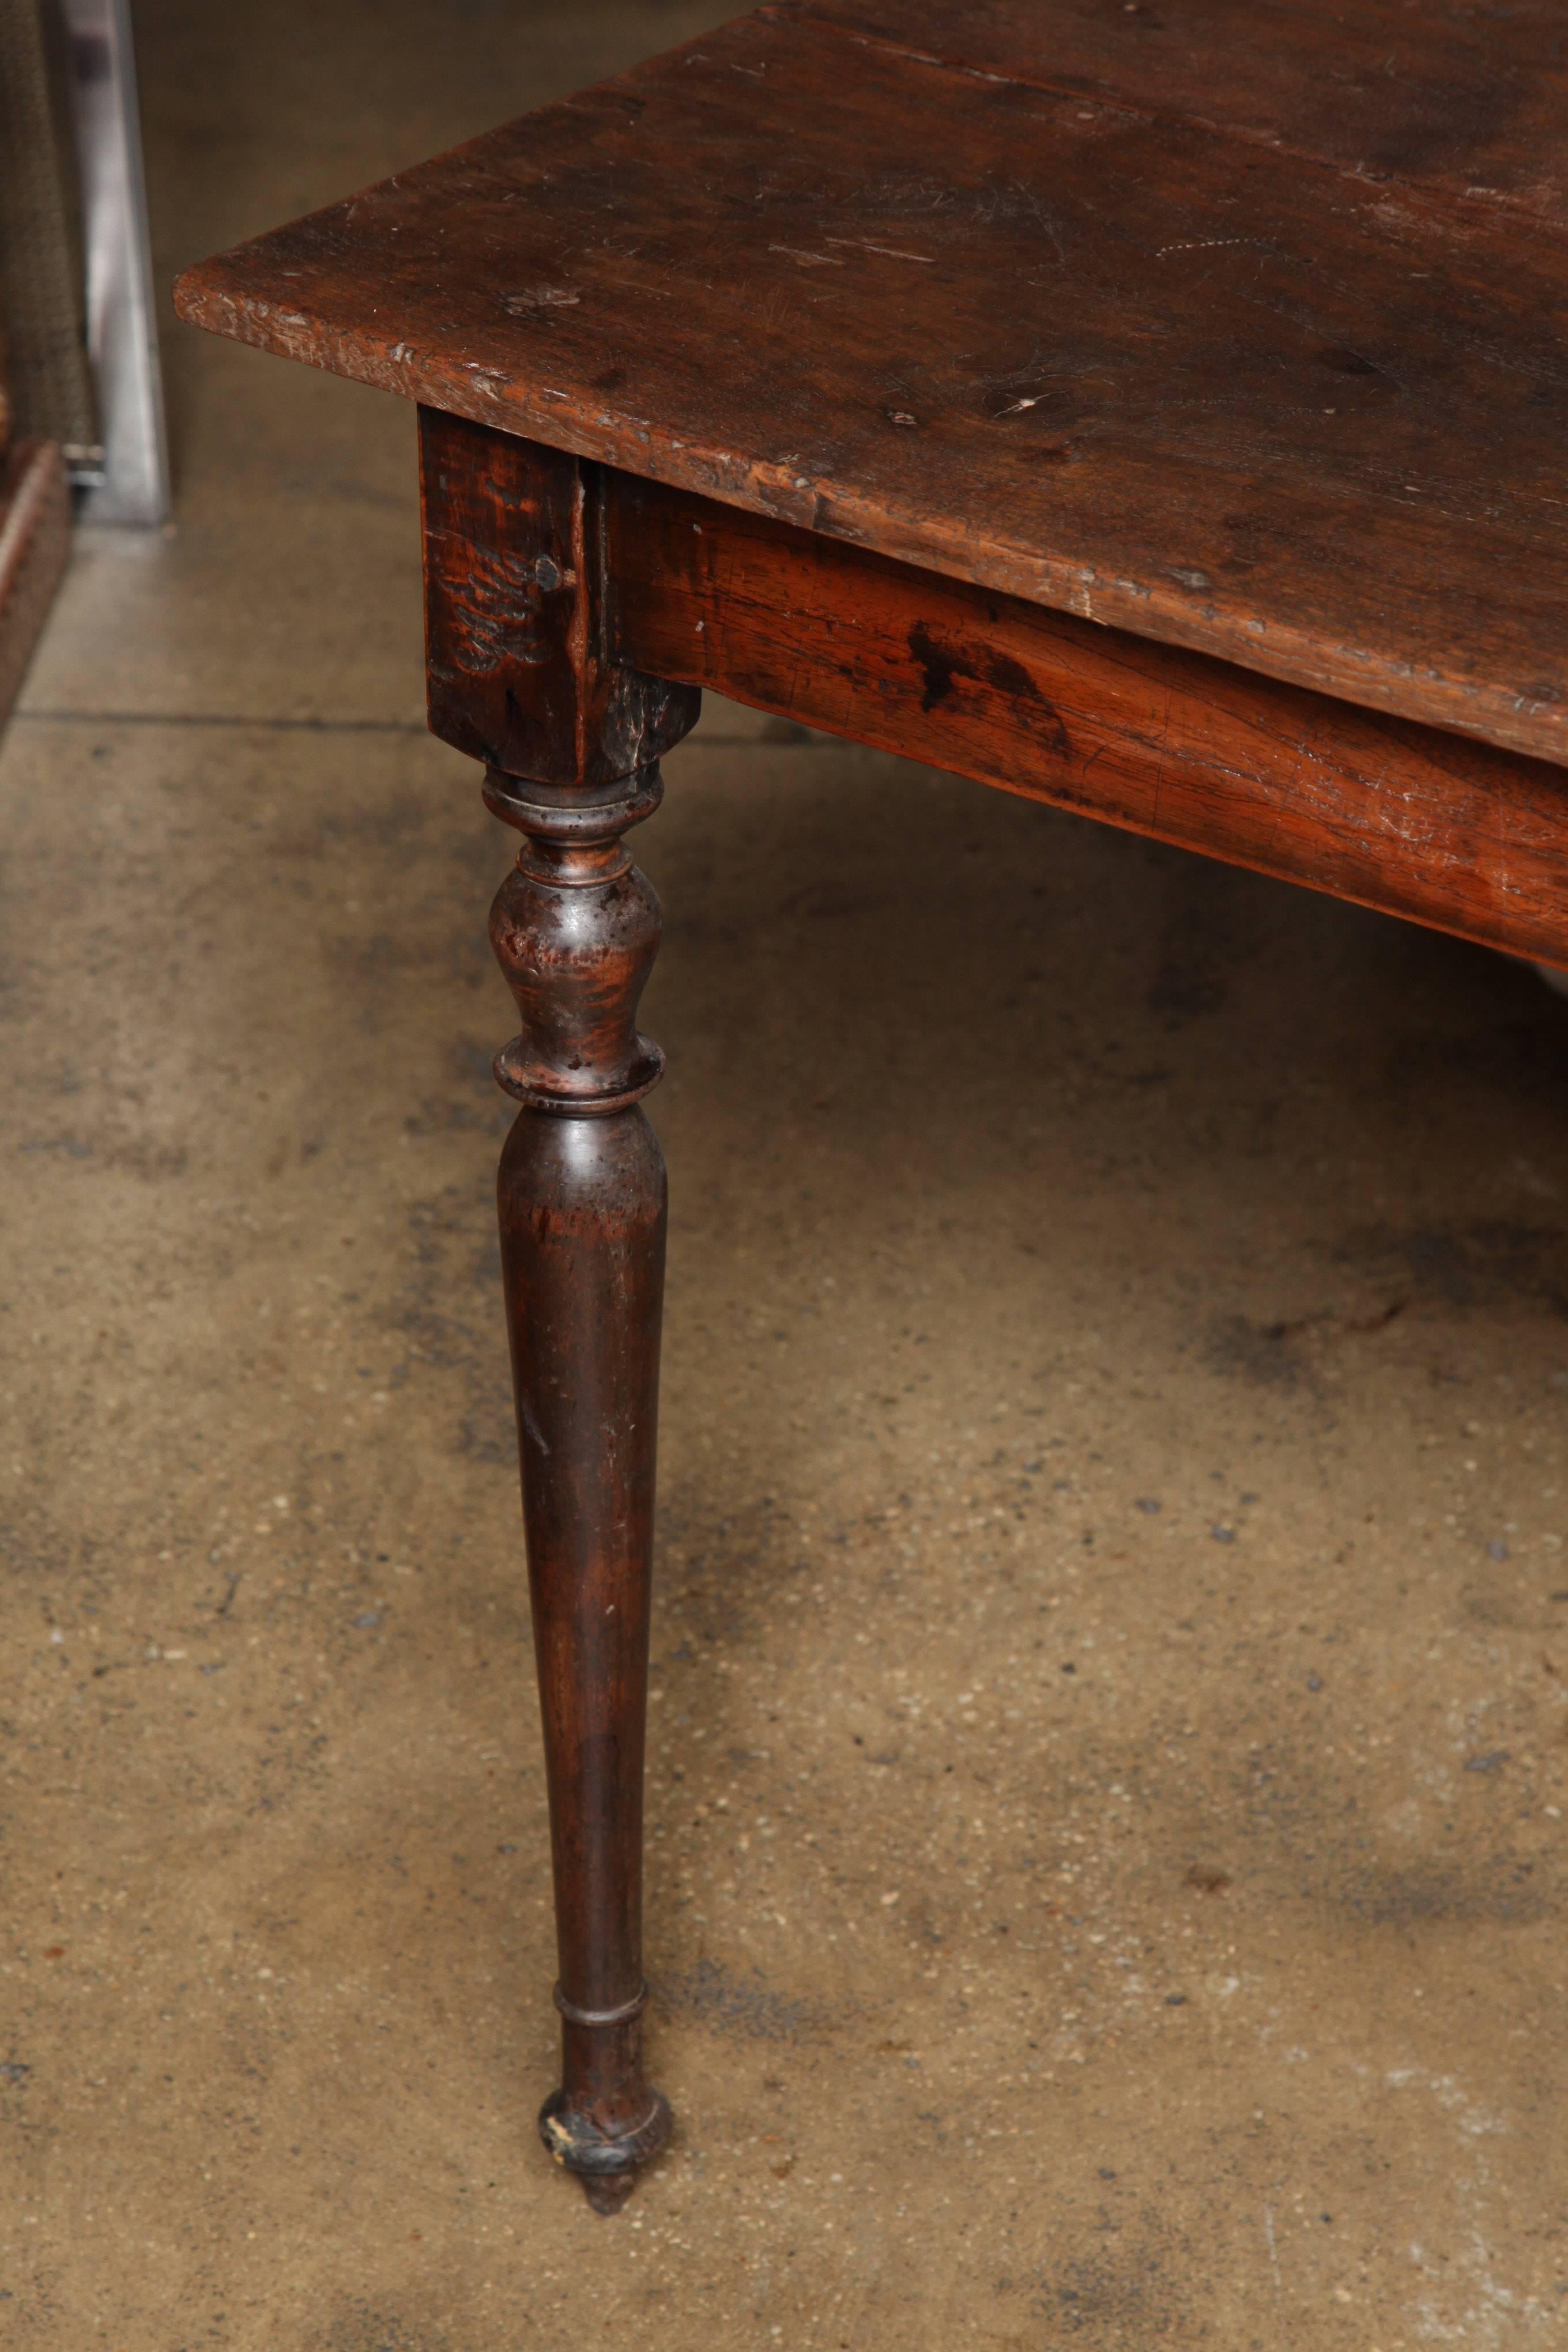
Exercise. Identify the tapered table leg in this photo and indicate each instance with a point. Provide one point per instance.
(523, 673)
(582, 1203)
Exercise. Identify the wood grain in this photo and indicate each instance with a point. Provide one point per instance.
(1126, 366)
(516, 667)
(1444, 96)
(1411, 819)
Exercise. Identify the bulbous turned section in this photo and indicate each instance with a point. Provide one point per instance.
(575, 930)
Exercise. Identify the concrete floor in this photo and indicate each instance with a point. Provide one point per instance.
(1112, 1681)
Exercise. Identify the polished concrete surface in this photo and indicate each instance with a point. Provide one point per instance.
(1111, 1687)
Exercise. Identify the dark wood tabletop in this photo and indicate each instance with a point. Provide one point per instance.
(1238, 326)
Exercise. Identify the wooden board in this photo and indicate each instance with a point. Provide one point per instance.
(1411, 819)
(1443, 95)
(1209, 391)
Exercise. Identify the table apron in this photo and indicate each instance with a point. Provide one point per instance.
(1414, 821)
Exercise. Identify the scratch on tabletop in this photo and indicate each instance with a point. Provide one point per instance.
(894, 252)
(1206, 243)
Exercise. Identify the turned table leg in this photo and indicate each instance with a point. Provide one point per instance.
(522, 674)
(582, 1201)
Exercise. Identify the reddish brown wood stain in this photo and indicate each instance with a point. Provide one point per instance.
(514, 615)
(1159, 412)
(1408, 819)
(522, 670)
(1114, 361)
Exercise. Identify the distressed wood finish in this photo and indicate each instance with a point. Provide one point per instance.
(581, 1196)
(522, 674)
(1119, 363)
(1154, 411)
(1409, 819)
(1471, 101)
(516, 671)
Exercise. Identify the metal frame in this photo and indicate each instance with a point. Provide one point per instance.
(133, 486)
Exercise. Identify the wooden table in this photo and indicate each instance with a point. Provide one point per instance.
(1153, 407)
